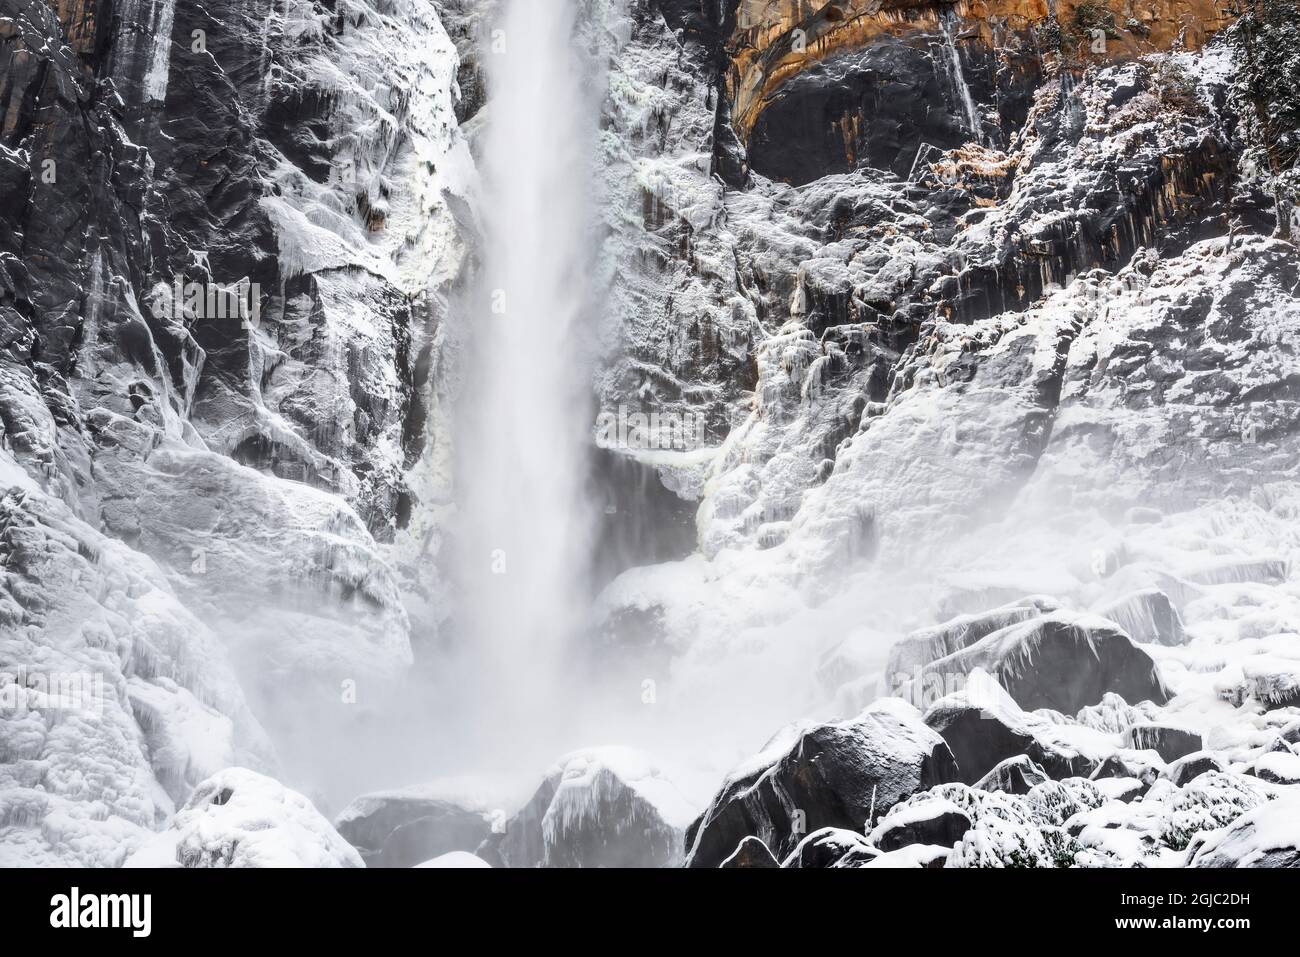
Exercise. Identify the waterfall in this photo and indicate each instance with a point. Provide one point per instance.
(525, 533)
(948, 23)
(141, 55)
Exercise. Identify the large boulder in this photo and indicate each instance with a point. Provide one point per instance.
(1061, 661)
(407, 827)
(984, 727)
(825, 775)
(599, 807)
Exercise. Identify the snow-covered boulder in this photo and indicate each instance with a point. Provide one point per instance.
(936, 821)
(831, 847)
(1061, 661)
(822, 775)
(405, 827)
(1276, 767)
(599, 807)
(984, 727)
(238, 818)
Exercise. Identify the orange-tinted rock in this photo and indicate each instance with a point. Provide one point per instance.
(775, 41)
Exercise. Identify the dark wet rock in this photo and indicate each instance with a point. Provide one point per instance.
(1191, 766)
(985, 728)
(831, 847)
(1015, 775)
(1170, 742)
(880, 103)
(751, 852)
(827, 775)
(1061, 661)
(1147, 616)
(402, 829)
(603, 807)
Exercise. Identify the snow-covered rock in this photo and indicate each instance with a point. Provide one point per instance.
(935, 822)
(831, 847)
(599, 807)
(238, 818)
(1014, 775)
(1264, 837)
(1060, 661)
(406, 827)
(115, 699)
(984, 728)
(814, 776)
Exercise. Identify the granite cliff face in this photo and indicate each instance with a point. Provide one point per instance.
(227, 232)
(870, 81)
(911, 312)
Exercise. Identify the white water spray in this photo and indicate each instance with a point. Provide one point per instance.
(525, 538)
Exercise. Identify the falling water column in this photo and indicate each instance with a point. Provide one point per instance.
(525, 537)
